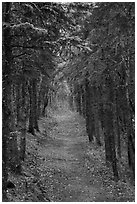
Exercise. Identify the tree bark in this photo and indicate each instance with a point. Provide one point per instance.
(108, 124)
(35, 110)
(23, 123)
(31, 112)
(83, 101)
(45, 105)
(6, 112)
(117, 125)
(129, 122)
(96, 114)
(89, 114)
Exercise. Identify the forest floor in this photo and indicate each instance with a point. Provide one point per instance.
(61, 166)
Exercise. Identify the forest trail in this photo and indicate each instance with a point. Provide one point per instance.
(65, 156)
(69, 169)
(61, 166)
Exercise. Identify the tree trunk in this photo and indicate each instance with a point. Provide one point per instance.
(97, 132)
(35, 110)
(131, 138)
(45, 105)
(40, 103)
(83, 100)
(31, 113)
(18, 105)
(13, 148)
(117, 125)
(108, 124)
(71, 102)
(23, 123)
(78, 98)
(89, 114)
(96, 114)
(6, 112)
(107, 129)
(129, 122)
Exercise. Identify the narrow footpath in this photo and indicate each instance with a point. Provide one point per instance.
(71, 171)
(65, 156)
(61, 166)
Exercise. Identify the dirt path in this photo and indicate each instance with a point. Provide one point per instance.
(61, 166)
(67, 172)
(65, 158)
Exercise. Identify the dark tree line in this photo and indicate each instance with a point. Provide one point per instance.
(30, 34)
(103, 86)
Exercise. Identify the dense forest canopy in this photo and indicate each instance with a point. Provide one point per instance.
(82, 52)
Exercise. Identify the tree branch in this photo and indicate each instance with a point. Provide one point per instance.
(28, 47)
(39, 12)
(25, 53)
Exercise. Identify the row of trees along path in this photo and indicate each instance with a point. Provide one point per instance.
(84, 54)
